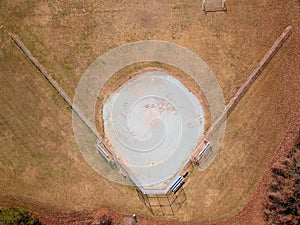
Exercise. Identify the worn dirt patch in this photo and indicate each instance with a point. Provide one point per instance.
(116, 80)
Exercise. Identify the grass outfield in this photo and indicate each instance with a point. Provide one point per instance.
(41, 168)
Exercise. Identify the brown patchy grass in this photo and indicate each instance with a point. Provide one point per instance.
(40, 165)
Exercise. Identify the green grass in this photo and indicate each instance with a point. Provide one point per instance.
(14, 216)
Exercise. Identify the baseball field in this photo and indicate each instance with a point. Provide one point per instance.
(41, 168)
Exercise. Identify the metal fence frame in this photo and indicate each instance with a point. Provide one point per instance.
(163, 205)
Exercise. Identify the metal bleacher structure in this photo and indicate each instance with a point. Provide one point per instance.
(169, 200)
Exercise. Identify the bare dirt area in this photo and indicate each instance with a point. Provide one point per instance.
(41, 168)
(116, 80)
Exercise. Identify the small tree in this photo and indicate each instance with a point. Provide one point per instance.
(13, 215)
(105, 220)
(283, 204)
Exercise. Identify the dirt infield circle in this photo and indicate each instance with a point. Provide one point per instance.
(166, 129)
(153, 123)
